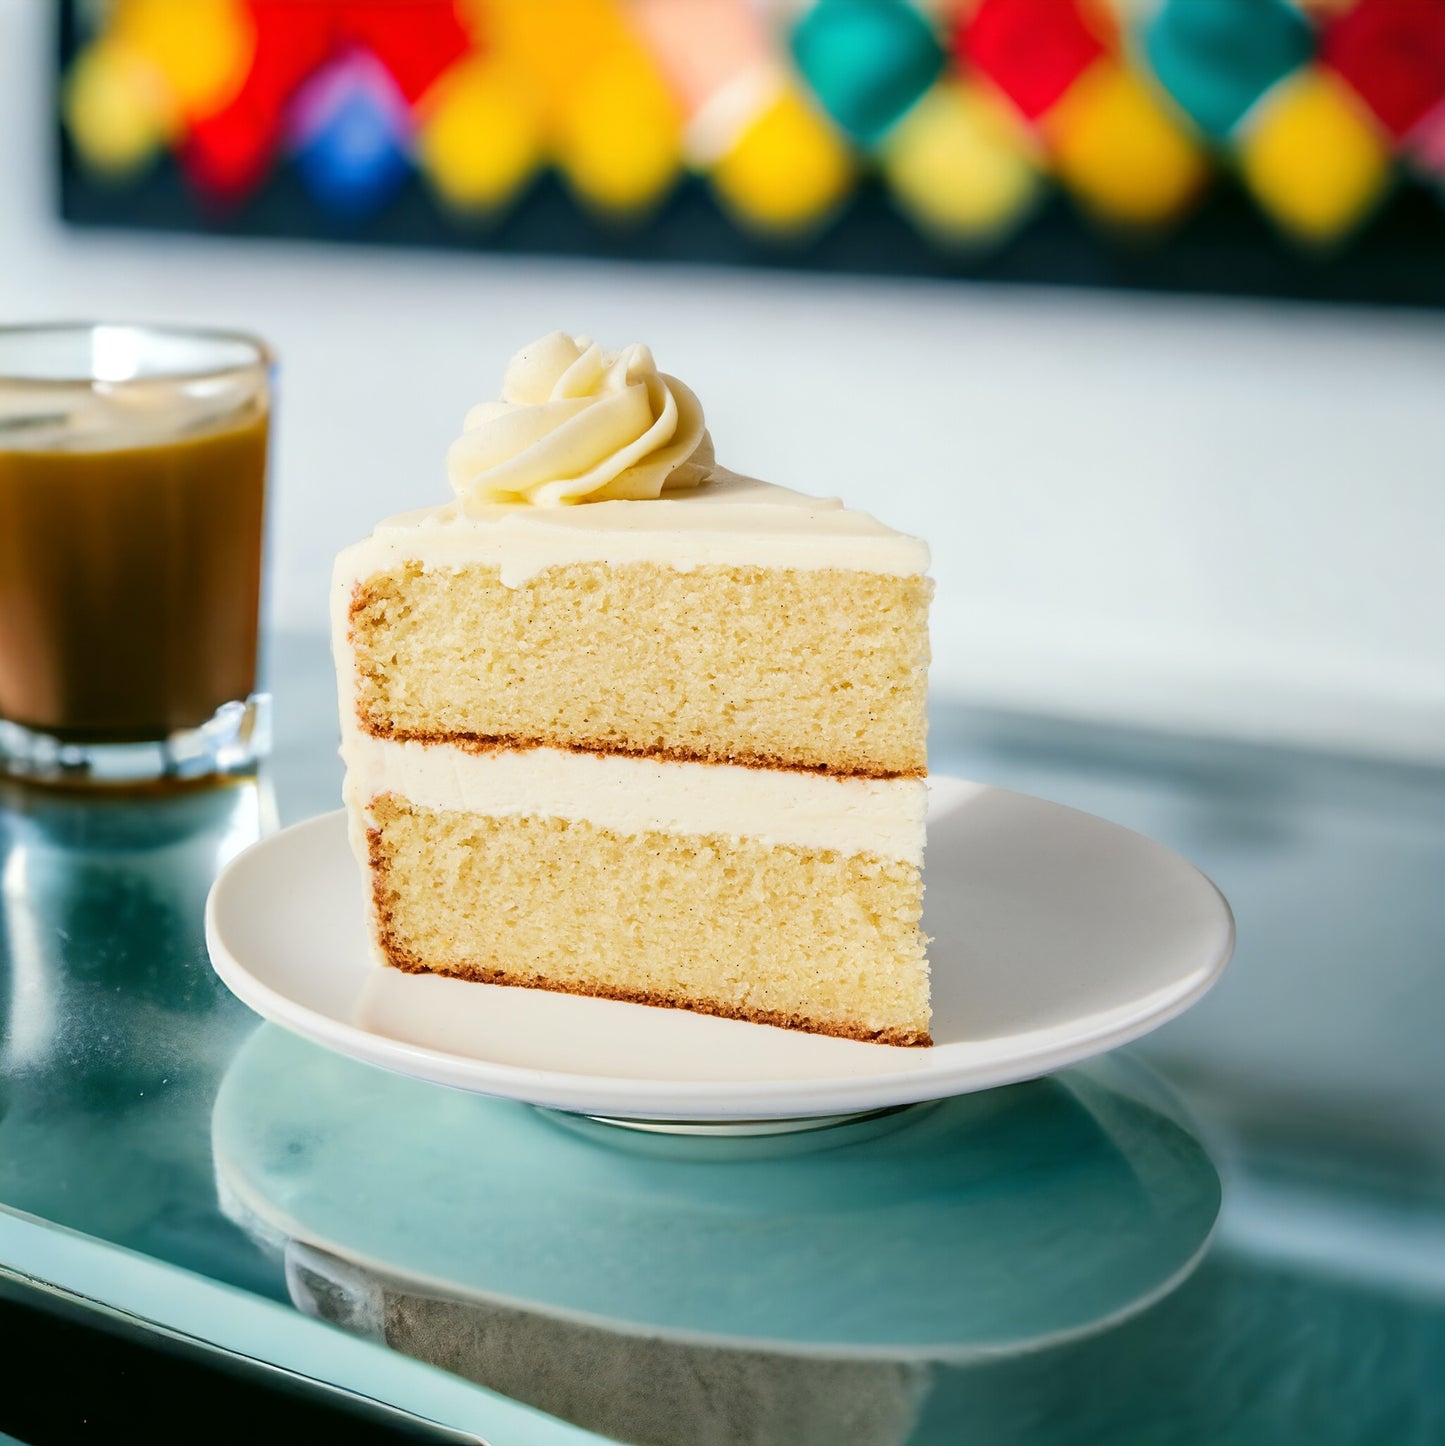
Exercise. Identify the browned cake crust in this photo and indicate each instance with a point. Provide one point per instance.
(476, 743)
(401, 958)
(484, 974)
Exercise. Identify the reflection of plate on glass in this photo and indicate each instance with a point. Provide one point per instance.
(1056, 936)
(590, 1270)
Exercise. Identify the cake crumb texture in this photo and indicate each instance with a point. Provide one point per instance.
(798, 668)
(808, 939)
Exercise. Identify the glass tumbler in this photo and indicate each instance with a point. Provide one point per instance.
(132, 503)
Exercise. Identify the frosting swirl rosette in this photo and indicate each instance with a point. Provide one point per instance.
(579, 424)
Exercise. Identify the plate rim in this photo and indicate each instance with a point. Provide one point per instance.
(702, 1101)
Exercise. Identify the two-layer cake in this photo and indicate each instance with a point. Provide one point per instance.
(619, 722)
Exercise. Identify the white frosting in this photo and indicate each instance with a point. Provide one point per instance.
(729, 521)
(579, 424)
(882, 817)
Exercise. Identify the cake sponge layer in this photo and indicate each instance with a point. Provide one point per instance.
(821, 668)
(810, 939)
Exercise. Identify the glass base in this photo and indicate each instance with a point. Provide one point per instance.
(750, 1129)
(232, 741)
(737, 1139)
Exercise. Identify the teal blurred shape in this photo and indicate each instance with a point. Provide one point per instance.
(867, 61)
(1217, 57)
(991, 1222)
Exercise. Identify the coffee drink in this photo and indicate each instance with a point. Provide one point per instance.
(132, 499)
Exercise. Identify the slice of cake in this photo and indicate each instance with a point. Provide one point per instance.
(619, 722)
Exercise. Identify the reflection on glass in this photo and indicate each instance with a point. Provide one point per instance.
(814, 1287)
(112, 1026)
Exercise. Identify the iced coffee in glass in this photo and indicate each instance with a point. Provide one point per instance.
(132, 499)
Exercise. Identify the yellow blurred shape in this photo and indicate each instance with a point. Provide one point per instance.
(959, 163)
(618, 136)
(203, 48)
(1311, 157)
(480, 137)
(116, 108)
(787, 169)
(1120, 151)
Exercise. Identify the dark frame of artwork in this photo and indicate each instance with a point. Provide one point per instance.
(1224, 246)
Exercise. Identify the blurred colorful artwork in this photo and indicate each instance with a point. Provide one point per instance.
(1274, 146)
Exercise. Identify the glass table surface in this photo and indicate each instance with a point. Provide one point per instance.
(1232, 1232)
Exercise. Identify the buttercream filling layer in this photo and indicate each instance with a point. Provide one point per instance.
(882, 817)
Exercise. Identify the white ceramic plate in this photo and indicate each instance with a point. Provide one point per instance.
(1056, 936)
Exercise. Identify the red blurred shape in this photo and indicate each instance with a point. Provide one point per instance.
(293, 38)
(1392, 53)
(416, 40)
(1033, 50)
(227, 154)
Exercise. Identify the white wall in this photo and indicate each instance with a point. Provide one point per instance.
(1191, 513)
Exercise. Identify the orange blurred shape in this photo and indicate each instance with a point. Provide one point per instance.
(1120, 150)
(553, 42)
(788, 169)
(1314, 157)
(203, 48)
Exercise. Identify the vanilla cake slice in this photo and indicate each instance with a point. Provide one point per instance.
(619, 722)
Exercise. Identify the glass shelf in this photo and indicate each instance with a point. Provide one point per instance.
(1045, 1264)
